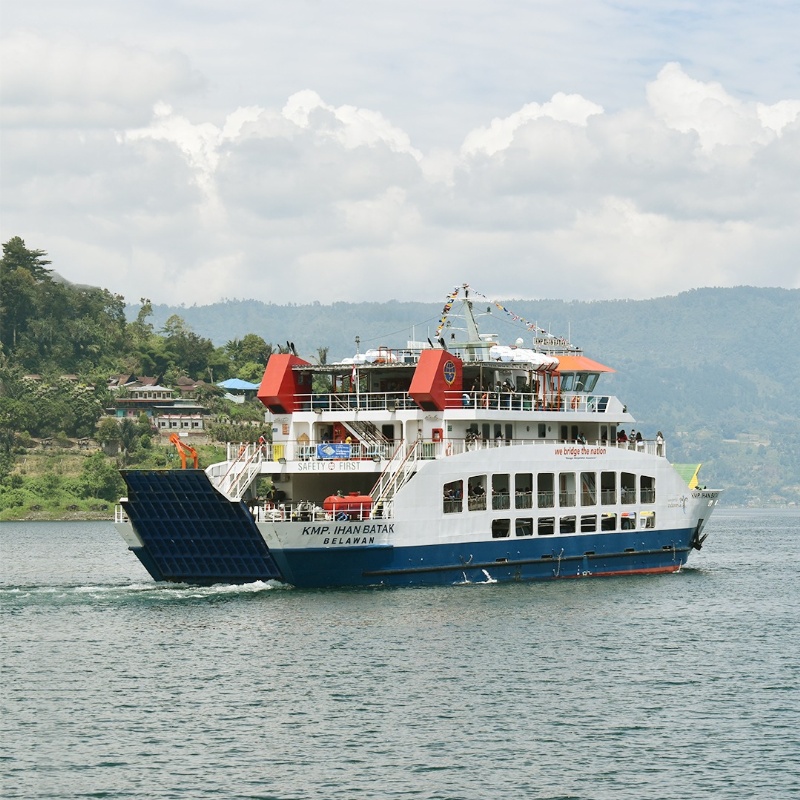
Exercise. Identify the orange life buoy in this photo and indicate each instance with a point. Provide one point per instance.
(575, 401)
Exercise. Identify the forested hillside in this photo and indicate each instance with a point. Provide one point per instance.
(59, 345)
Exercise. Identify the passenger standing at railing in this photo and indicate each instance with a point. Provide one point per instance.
(659, 444)
(639, 441)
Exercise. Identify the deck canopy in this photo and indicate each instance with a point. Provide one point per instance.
(580, 364)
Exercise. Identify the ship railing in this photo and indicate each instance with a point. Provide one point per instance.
(650, 446)
(363, 401)
(532, 401)
(242, 465)
(306, 511)
(120, 516)
(327, 451)
(577, 402)
(427, 450)
(400, 468)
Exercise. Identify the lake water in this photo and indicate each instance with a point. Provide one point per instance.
(673, 687)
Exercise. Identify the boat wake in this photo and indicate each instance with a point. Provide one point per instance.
(467, 582)
(121, 593)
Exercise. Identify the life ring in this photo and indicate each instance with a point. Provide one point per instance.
(575, 402)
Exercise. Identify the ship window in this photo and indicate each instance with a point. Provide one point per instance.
(588, 523)
(500, 492)
(547, 526)
(567, 381)
(591, 381)
(452, 497)
(609, 522)
(647, 519)
(524, 527)
(647, 489)
(588, 489)
(476, 488)
(567, 525)
(627, 521)
(608, 488)
(500, 528)
(566, 489)
(546, 490)
(627, 488)
(523, 490)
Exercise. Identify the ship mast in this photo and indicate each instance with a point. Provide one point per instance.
(475, 348)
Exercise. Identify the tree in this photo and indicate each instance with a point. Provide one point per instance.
(189, 352)
(108, 431)
(17, 305)
(17, 256)
(99, 478)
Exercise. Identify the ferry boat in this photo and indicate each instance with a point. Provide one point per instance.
(454, 460)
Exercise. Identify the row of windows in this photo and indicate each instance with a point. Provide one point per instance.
(586, 523)
(179, 423)
(550, 490)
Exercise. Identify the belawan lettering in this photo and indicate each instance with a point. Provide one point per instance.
(349, 540)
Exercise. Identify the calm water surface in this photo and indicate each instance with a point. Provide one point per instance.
(671, 687)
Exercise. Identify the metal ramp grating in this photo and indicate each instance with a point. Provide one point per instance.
(192, 533)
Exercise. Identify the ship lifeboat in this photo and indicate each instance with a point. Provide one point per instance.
(349, 506)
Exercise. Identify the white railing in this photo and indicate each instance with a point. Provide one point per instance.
(428, 449)
(309, 512)
(242, 466)
(402, 466)
(476, 400)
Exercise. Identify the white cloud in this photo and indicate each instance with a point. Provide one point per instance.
(317, 195)
(718, 119)
(572, 109)
(70, 82)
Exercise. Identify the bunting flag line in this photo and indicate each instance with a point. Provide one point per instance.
(531, 326)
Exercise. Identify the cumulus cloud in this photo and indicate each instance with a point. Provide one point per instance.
(311, 200)
(572, 109)
(68, 82)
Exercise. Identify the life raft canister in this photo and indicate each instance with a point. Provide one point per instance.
(351, 506)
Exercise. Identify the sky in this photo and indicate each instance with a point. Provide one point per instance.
(189, 151)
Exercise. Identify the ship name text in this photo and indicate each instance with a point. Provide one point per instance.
(361, 533)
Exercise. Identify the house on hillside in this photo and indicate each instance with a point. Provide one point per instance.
(167, 413)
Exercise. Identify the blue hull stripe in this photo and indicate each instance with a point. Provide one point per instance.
(502, 560)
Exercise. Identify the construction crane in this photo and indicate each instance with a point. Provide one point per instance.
(184, 450)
